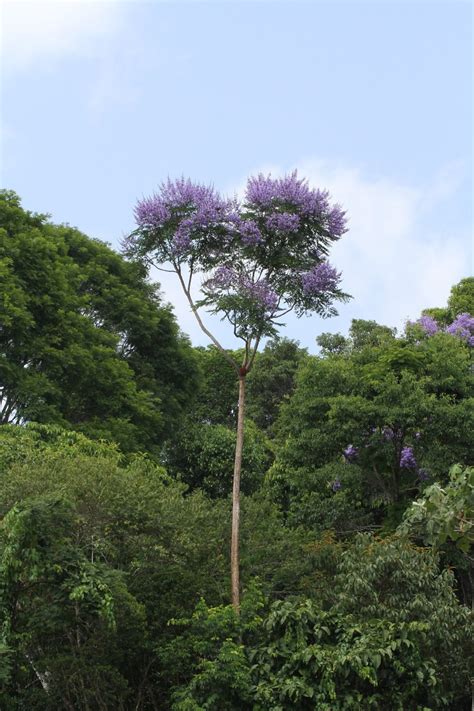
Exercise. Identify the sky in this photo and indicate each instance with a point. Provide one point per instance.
(102, 101)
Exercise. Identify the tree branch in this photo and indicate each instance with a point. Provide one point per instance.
(195, 311)
(254, 353)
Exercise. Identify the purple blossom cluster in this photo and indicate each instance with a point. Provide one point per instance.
(265, 192)
(407, 459)
(336, 485)
(226, 278)
(350, 453)
(322, 278)
(462, 327)
(199, 207)
(407, 455)
(249, 232)
(336, 221)
(428, 324)
(182, 237)
(283, 222)
(262, 292)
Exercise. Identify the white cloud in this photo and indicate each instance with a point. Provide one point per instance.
(38, 32)
(395, 261)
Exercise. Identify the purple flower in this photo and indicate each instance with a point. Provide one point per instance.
(428, 324)
(151, 212)
(181, 242)
(336, 221)
(283, 222)
(227, 279)
(251, 235)
(463, 327)
(246, 229)
(262, 292)
(264, 192)
(224, 278)
(320, 279)
(336, 485)
(407, 458)
(350, 453)
(198, 206)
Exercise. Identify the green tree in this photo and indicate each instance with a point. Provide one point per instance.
(217, 393)
(60, 611)
(272, 380)
(158, 547)
(202, 456)
(388, 632)
(398, 413)
(84, 339)
(461, 300)
(444, 518)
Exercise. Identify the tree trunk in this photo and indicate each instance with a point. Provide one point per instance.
(234, 548)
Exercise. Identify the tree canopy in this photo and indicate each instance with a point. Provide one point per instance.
(85, 339)
(116, 464)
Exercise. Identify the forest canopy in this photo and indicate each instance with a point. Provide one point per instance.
(117, 440)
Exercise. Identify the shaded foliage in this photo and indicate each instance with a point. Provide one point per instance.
(84, 339)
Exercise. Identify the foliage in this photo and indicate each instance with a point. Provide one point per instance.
(113, 570)
(126, 523)
(444, 518)
(445, 513)
(84, 339)
(202, 456)
(330, 497)
(387, 634)
(55, 598)
(461, 300)
(321, 659)
(272, 380)
(361, 334)
(217, 389)
(209, 655)
(399, 413)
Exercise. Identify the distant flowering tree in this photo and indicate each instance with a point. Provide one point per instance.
(428, 324)
(462, 327)
(256, 260)
(384, 451)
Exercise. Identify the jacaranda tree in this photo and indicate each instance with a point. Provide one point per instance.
(256, 260)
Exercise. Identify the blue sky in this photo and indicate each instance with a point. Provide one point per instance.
(102, 101)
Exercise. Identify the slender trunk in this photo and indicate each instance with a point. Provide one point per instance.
(234, 549)
(471, 585)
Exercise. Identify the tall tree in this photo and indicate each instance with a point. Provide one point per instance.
(260, 259)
